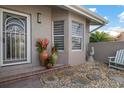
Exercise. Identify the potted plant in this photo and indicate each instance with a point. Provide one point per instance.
(41, 47)
(53, 58)
(54, 55)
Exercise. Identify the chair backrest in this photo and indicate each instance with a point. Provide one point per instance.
(119, 57)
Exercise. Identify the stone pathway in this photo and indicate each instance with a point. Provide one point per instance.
(91, 75)
(88, 75)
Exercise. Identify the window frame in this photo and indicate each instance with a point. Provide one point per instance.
(79, 37)
(28, 58)
(57, 35)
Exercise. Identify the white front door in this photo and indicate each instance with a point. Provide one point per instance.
(14, 37)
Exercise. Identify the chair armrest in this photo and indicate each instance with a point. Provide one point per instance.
(111, 59)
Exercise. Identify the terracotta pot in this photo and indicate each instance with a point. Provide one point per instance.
(43, 57)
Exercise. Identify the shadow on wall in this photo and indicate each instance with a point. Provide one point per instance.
(103, 50)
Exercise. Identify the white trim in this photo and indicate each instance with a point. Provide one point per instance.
(1, 36)
(28, 40)
(77, 36)
(60, 50)
(80, 50)
(28, 37)
(14, 12)
(16, 59)
(52, 33)
(84, 38)
(24, 62)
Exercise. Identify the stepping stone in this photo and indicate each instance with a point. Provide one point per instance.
(82, 71)
(60, 74)
(68, 72)
(94, 70)
(93, 76)
(117, 79)
(81, 80)
(50, 79)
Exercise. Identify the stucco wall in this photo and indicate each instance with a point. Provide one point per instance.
(60, 14)
(76, 57)
(103, 50)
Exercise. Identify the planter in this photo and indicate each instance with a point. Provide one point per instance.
(43, 57)
(54, 58)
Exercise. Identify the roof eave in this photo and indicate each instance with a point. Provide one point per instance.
(85, 12)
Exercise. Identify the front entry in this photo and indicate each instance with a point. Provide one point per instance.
(14, 37)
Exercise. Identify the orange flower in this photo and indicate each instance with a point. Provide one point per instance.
(43, 43)
(46, 41)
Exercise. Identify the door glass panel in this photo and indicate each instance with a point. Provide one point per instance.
(14, 38)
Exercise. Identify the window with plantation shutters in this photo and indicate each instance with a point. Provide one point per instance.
(77, 35)
(59, 34)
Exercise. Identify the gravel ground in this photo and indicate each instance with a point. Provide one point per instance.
(88, 75)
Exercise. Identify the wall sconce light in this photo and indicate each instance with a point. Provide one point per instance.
(39, 18)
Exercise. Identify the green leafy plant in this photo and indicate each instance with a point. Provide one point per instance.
(100, 37)
(41, 44)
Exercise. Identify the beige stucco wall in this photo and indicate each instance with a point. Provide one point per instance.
(60, 14)
(76, 57)
(103, 50)
(68, 56)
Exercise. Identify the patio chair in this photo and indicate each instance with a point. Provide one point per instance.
(117, 61)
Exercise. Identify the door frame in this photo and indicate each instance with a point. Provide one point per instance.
(28, 37)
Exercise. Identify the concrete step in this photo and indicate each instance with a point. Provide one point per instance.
(20, 76)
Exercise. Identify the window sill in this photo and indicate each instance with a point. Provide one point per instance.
(77, 50)
(60, 51)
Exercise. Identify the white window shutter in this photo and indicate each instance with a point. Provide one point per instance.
(59, 34)
(76, 29)
(77, 35)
